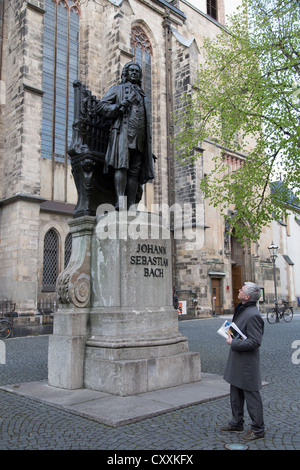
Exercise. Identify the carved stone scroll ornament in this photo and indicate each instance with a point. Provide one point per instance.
(62, 287)
(74, 288)
(74, 284)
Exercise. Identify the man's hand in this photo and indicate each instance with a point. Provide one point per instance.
(229, 339)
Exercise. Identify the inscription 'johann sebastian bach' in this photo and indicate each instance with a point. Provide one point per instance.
(145, 258)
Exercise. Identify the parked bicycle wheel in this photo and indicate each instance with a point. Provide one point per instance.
(288, 314)
(271, 315)
(5, 328)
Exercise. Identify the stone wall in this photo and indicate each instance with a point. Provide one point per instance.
(20, 155)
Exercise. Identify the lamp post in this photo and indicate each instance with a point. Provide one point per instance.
(273, 255)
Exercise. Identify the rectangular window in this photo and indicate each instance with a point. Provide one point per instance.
(212, 8)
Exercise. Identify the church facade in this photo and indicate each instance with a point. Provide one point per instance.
(45, 46)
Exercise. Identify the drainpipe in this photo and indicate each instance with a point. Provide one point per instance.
(1, 34)
(170, 146)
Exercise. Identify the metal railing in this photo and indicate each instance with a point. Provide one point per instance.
(7, 308)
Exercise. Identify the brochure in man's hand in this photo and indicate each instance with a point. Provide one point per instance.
(232, 330)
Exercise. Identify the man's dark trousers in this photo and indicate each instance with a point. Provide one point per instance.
(254, 407)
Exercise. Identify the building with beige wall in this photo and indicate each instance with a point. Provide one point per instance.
(46, 45)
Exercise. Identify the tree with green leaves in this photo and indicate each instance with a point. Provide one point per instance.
(247, 99)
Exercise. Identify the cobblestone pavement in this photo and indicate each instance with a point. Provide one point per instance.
(29, 424)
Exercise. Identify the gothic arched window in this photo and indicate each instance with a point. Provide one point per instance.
(60, 69)
(142, 51)
(50, 260)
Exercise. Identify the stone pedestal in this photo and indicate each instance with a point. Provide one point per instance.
(70, 329)
(132, 343)
(67, 348)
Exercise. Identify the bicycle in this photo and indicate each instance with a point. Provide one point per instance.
(277, 313)
(7, 309)
(5, 328)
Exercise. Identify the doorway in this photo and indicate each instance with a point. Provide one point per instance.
(236, 283)
(216, 295)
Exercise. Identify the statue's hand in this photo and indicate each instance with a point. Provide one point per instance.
(98, 108)
(124, 105)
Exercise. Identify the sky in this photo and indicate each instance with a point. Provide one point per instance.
(230, 5)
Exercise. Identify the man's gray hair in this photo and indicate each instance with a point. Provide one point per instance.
(253, 290)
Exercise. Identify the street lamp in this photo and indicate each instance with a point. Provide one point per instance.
(273, 251)
(273, 255)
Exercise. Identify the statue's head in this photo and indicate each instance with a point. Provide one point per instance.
(132, 72)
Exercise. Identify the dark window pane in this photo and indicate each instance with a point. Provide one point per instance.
(68, 249)
(50, 260)
(59, 81)
(212, 8)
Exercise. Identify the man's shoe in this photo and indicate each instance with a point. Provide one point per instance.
(232, 428)
(251, 436)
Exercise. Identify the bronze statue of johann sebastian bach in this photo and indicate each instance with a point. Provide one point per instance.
(111, 151)
(129, 150)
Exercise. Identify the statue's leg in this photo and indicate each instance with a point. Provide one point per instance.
(135, 166)
(131, 190)
(120, 177)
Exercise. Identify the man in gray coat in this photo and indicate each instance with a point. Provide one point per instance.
(243, 368)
